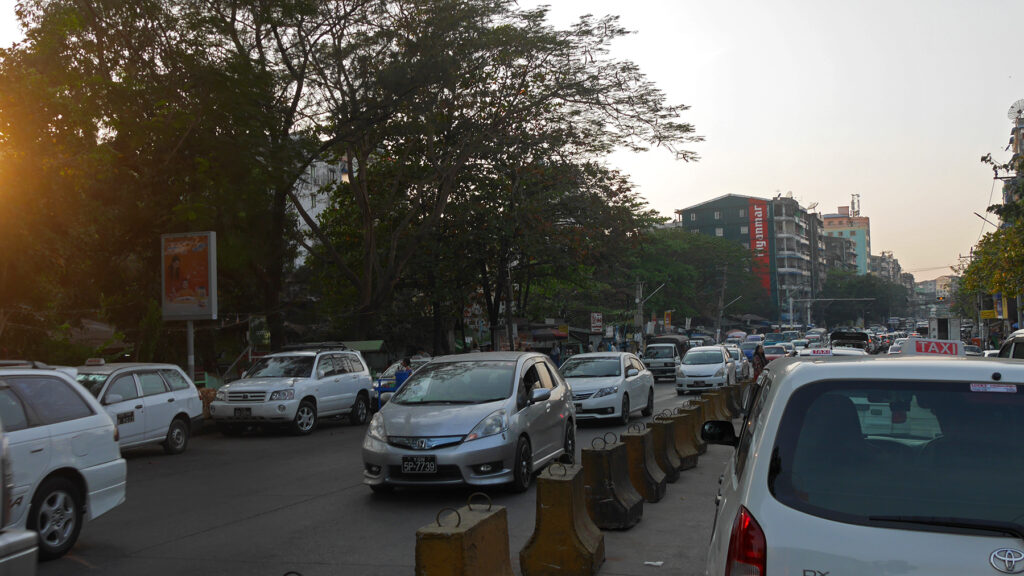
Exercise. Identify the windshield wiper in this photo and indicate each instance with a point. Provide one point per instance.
(1000, 526)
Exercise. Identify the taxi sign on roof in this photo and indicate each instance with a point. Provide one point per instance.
(922, 346)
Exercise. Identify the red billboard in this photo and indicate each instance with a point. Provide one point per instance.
(758, 214)
(189, 275)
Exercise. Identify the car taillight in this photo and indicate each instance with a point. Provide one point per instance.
(747, 547)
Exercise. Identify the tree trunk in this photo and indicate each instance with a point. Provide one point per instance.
(274, 269)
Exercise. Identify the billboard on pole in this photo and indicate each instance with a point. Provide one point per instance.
(189, 275)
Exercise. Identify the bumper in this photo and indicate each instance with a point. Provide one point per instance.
(273, 411)
(663, 371)
(382, 463)
(106, 485)
(700, 382)
(18, 551)
(598, 408)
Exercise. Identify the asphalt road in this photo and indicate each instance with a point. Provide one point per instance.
(269, 503)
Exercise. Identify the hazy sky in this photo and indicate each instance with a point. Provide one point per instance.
(895, 100)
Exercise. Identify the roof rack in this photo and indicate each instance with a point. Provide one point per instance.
(314, 346)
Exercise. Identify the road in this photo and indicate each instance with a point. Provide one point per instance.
(269, 503)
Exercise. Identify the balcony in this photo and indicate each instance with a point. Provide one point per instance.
(792, 254)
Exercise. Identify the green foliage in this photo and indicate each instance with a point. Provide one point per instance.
(888, 299)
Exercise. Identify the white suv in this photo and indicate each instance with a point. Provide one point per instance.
(151, 403)
(296, 389)
(875, 465)
(67, 468)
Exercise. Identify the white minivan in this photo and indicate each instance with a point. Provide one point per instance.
(874, 465)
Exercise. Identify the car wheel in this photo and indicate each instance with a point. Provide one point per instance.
(569, 445)
(305, 419)
(522, 475)
(680, 392)
(177, 437)
(56, 514)
(230, 429)
(649, 408)
(360, 411)
(624, 410)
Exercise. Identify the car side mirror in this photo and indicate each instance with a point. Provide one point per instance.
(540, 395)
(719, 432)
(113, 399)
(632, 372)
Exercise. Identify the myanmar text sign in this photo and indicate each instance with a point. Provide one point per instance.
(189, 275)
(758, 228)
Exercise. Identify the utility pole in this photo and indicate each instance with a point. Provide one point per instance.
(721, 305)
(509, 328)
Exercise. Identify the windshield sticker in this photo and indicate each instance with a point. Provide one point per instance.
(1005, 388)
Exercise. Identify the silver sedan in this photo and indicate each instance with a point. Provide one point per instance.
(479, 419)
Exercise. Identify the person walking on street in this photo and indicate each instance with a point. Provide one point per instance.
(556, 354)
(760, 361)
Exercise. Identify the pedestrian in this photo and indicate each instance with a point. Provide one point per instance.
(556, 354)
(760, 361)
(403, 372)
(612, 347)
(590, 346)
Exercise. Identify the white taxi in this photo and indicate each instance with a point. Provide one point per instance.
(875, 465)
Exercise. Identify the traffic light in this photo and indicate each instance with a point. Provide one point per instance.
(940, 298)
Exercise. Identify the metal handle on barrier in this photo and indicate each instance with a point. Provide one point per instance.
(679, 410)
(458, 516)
(551, 467)
(605, 438)
(638, 426)
(593, 443)
(469, 500)
(666, 413)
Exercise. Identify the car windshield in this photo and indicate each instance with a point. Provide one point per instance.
(659, 352)
(748, 346)
(734, 352)
(282, 367)
(702, 357)
(774, 350)
(903, 454)
(93, 382)
(466, 382)
(593, 367)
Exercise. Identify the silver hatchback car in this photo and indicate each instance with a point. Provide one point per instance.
(481, 419)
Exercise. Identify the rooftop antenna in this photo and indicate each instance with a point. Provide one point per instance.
(812, 206)
(855, 205)
(1016, 111)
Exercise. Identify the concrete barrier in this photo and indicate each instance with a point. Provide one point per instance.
(696, 410)
(735, 400)
(564, 540)
(645, 474)
(663, 434)
(685, 445)
(717, 405)
(612, 502)
(468, 542)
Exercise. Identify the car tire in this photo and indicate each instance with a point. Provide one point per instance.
(230, 429)
(680, 392)
(624, 410)
(569, 444)
(56, 514)
(360, 411)
(522, 474)
(649, 408)
(177, 437)
(305, 419)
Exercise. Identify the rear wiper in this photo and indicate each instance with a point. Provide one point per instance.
(1000, 526)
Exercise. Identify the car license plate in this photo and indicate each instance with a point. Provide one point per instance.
(419, 464)
(243, 412)
(698, 382)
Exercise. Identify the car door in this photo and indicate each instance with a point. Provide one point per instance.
(158, 404)
(29, 445)
(644, 381)
(632, 384)
(351, 381)
(554, 407)
(123, 402)
(186, 397)
(536, 418)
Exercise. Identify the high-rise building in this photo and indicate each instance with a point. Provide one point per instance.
(886, 266)
(848, 223)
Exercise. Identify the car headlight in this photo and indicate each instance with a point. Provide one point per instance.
(489, 426)
(721, 372)
(221, 394)
(283, 395)
(607, 391)
(376, 428)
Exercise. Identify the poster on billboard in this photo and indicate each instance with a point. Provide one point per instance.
(596, 322)
(758, 229)
(189, 275)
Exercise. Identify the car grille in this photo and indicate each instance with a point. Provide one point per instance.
(582, 395)
(444, 472)
(246, 396)
(423, 443)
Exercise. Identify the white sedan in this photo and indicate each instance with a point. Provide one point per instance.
(706, 367)
(609, 385)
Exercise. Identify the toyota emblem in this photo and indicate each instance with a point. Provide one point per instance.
(1007, 560)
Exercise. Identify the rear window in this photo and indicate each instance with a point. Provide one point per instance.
(909, 455)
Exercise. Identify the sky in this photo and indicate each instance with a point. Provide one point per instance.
(893, 100)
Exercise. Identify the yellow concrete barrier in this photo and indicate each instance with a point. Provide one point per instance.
(564, 540)
(612, 502)
(663, 434)
(468, 542)
(696, 410)
(644, 473)
(685, 445)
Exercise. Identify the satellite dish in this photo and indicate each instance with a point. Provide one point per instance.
(812, 206)
(1016, 111)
